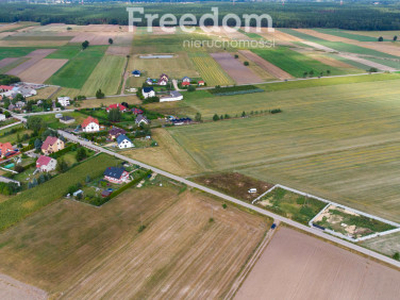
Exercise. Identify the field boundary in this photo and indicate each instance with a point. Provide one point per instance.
(331, 203)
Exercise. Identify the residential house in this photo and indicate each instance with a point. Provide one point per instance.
(185, 81)
(2, 117)
(64, 101)
(137, 111)
(90, 124)
(67, 120)
(201, 83)
(173, 96)
(46, 163)
(141, 119)
(124, 142)
(164, 77)
(6, 91)
(26, 91)
(116, 175)
(148, 92)
(149, 81)
(6, 149)
(136, 73)
(113, 133)
(121, 107)
(20, 104)
(52, 144)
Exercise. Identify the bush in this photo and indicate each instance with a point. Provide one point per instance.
(141, 228)
(246, 63)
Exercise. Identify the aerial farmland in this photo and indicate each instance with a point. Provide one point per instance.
(201, 164)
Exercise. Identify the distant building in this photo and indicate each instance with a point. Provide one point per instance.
(113, 133)
(52, 144)
(148, 92)
(6, 149)
(64, 101)
(90, 124)
(46, 163)
(116, 175)
(173, 96)
(121, 107)
(136, 73)
(149, 81)
(141, 119)
(2, 117)
(137, 111)
(124, 142)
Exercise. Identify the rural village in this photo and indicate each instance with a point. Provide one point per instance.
(133, 167)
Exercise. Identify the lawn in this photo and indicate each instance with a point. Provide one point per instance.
(336, 141)
(79, 68)
(55, 123)
(290, 205)
(19, 207)
(295, 63)
(209, 69)
(106, 76)
(7, 135)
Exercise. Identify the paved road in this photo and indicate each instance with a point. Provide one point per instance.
(10, 125)
(305, 228)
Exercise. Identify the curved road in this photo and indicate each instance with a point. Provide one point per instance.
(305, 228)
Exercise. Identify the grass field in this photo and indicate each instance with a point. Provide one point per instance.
(15, 51)
(107, 76)
(210, 70)
(12, 138)
(347, 34)
(19, 207)
(75, 73)
(66, 52)
(296, 63)
(72, 250)
(388, 244)
(339, 141)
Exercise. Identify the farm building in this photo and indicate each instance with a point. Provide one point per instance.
(6, 149)
(181, 121)
(52, 144)
(67, 120)
(64, 101)
(124, 142)
(113, 133)
(201, 82)
(116, 175)
(6, 91)
(141, 119)
(136, 73)
(121, 107)
(46, 163)
(90, 124)
(148, 92)
(173, 96)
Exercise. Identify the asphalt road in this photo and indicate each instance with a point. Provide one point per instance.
(261, 211)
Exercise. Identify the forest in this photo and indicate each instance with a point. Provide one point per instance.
(351, 16)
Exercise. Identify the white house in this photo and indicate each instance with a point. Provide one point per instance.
(140, 119)
(46, 163)
(148, 92)
(64, 101)
(90, 124)
(124, 142)
(174, 96)
(2, 117)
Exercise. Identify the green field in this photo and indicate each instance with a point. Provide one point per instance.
(295, 63)
(347, 34)
(15, 51)
(209, 69)
(75, 73)
(17, 208)
(340, 142)
(66, 52)
(107, 76)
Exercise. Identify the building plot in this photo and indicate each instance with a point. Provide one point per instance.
(266, 65)
(34, 57)
(320, 271)
(237, 71)
(42, 70)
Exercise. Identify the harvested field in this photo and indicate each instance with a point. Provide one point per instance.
(324, 36)
(101, 38)
(298, 266)
(42, 70)
(117, 50)
(266, 65)
(34, 57)
(14, 289)
(386, 47)
(235, 184)
(45, 93)
(237, 71)
(388, 244)
(168, 155)
(100, 253)
(319, 47)
(6, 61)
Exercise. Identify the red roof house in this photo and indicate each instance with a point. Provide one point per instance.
(46, 164)
(6, 87)
(114, 106)
(185, 83)
(90, 124)
(6, 149)
(137, 111)
(52, 144)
